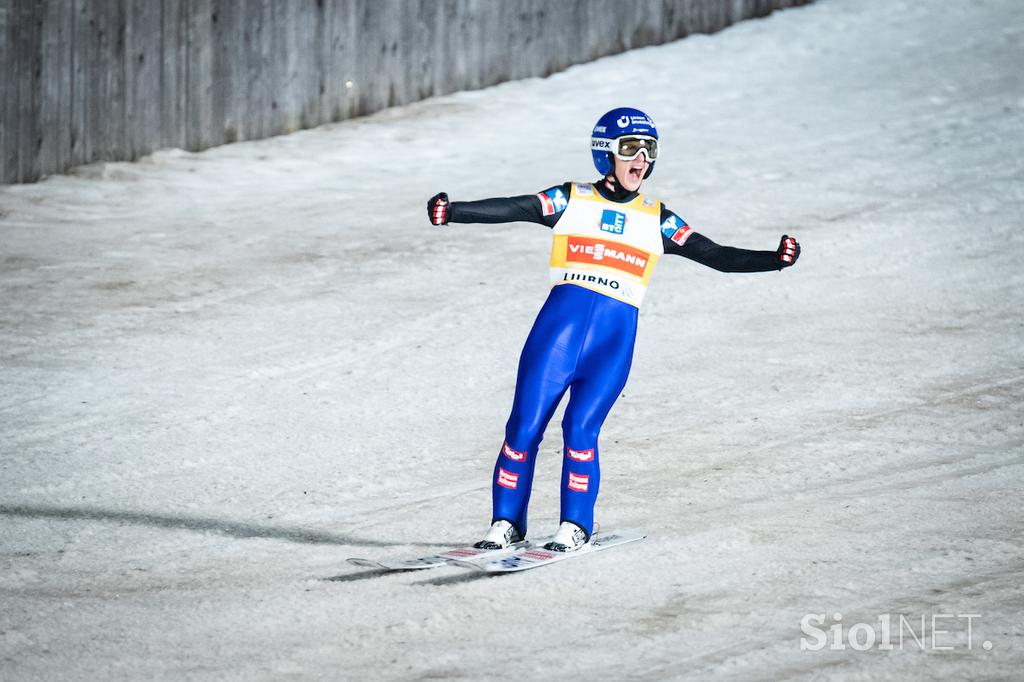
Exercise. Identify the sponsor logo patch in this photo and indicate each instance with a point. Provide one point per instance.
(506, 479)
(584, 190)
(580, 455)
(681, 235)
(513, 455)
(600, 144)
(613, 221)
(676, 229)
(552, 201)
(547, 207)
(623, 121)
(599, 129)
(558, 197)
(619, 256)
(671, 224)
(593, 279)
(649, 203)
(579, 482)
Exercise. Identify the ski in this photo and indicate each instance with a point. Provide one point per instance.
(465, 554)
(535, 556)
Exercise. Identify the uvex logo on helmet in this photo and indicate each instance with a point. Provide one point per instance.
(615, 124)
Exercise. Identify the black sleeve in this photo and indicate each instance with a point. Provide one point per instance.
(527, 208)
(697, 247)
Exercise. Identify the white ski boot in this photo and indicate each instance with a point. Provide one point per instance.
(568, 538)
(501, 535)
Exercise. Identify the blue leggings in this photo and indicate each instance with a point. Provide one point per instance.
(581, 341)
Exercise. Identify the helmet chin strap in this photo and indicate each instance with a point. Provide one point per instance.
(615, 188)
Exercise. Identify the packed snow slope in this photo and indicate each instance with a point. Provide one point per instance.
(223, 373)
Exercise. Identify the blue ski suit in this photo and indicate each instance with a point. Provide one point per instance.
(606, 242)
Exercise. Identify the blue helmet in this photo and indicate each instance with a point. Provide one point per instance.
(615, 124)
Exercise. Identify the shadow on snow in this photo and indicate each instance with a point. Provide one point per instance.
(228, 528)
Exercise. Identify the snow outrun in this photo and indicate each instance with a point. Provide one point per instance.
(223, 373)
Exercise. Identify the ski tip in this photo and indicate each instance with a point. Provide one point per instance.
(364, 563)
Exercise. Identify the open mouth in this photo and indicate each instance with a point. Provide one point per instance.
(636, 173)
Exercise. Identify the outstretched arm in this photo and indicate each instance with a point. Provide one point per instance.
(680, 239)
(543, 208)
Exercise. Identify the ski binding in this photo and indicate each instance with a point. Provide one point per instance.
(534, 555)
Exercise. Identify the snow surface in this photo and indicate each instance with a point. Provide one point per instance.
(224, 373)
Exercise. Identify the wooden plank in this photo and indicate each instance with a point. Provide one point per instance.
(401, 55)
(17, 103)
(453, 68)
(311, 33)
(56, 87)
(261, 69)
(252, 95)
(229, 74)
(650, 24)
(199, 55)
(100, 131)
(288, 51)
(241, 70)
(296, 91)
(675, 20)
(436, 28)
(318, 50)
(219, 74)
(116, 102)
(420, 48)
(474, 43)
(142, 78)
(328, 86)
(369, 74)
(173, 73)
(489, 59)
(350, 58)
(90, 38)
(597, 36)
(102, 74)
(29, 45)
(99, 74)
(293, 95)
(76, 109)
(270, 69)
(8, 87)
(525, 36)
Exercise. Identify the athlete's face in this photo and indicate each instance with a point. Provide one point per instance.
(631, 173)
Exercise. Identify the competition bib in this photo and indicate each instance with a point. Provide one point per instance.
(608, 247)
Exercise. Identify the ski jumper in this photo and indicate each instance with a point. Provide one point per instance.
(605, 245)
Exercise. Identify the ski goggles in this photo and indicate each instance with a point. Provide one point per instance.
(628, 147)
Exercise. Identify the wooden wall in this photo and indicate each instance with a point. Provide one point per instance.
(92, 80)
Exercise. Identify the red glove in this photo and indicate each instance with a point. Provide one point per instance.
(789, 251)
(437, 209)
